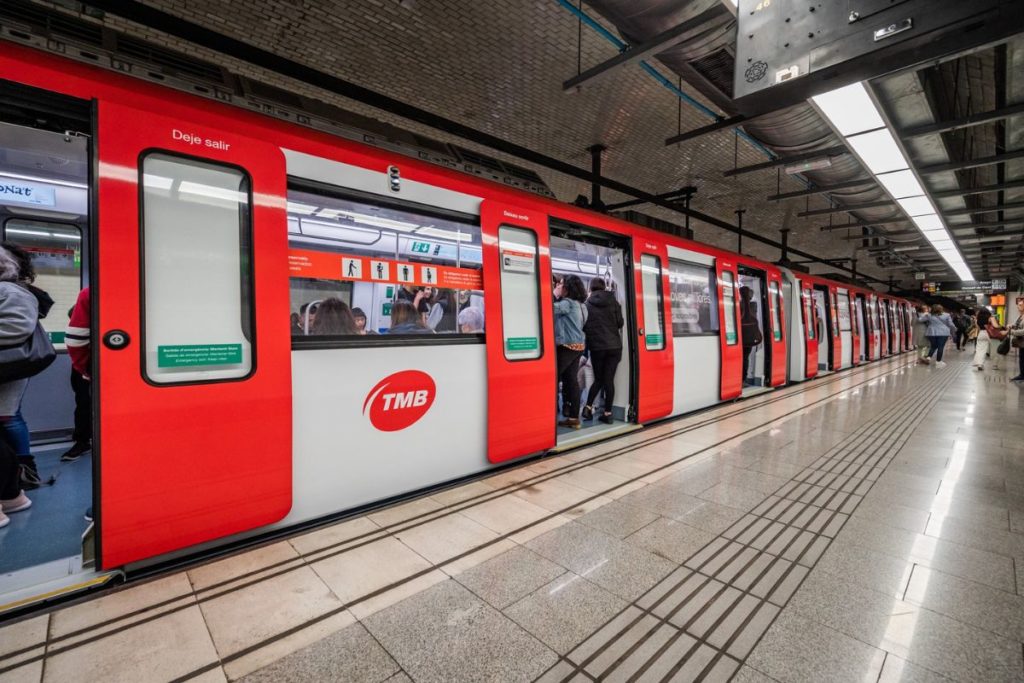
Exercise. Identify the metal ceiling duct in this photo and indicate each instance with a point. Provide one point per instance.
(707, 62)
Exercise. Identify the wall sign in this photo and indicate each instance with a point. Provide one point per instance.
(22, 192)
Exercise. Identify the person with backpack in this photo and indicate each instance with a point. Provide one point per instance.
(603, 331)
(19, 315)
(16, 427)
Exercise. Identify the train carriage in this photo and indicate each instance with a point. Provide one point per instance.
(215, 242)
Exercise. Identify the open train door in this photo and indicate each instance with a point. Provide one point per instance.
(520, 342)
(810, 317)
(855, 329)
(777, 316)
(194, 372)
(729, 330)
(655, 355)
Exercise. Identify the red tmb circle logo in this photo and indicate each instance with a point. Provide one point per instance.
(399, 400)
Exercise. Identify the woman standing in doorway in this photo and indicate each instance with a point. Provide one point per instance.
(604, 340)
(570, 343)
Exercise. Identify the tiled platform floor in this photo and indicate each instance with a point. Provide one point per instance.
(866, 527)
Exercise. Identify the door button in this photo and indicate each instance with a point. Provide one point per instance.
(116, 339)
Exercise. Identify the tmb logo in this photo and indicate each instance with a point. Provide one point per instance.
(399, 400)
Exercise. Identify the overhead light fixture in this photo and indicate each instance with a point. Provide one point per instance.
(917, 206)
(855, 116)
(815, 164)
(850, 109)
(879, 151)
(48, 181)
(901, 184)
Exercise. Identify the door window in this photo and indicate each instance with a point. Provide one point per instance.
(775, 304)
(809, 323)
(520, 293)
(654, 308)
(197, 272)
(729, 305)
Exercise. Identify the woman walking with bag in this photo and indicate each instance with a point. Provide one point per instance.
(939, 327)
(19, 316)
(570, 343)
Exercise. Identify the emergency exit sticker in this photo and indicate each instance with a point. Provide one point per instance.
(521, 344)
(198, 354)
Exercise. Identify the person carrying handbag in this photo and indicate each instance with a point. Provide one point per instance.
(999, 342)
(19, 316)
(1017, 339)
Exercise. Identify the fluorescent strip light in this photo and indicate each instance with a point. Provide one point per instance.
(850, 109)
(156, 182)
(445, 234)
(901, 184)
(916, 206)
(879, 151)
(928, 222)
(37, 179)
(301, 209)
(212, 192)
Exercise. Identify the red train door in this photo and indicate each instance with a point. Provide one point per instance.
(194, 361)
(837, 338)
(810, 318)
(520, 341)
(777, 320)
(654, 316)
(855, 331)
(729, 330)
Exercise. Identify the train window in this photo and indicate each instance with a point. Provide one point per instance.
(845, 324)
(809, 322)
(520, 293)
(694, 298)
(775, 304)
(729, 307)
(197, 277)
(362, 267)
(56, 253)
(654, 303)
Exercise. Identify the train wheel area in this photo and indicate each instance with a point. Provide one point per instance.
(727, 542)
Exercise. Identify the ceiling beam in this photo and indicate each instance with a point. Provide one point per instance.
(863, 224)
(972, 163)
(961, 192)
(654, 46)
(785, 161)
(721, 124)
(842, 209)
(964, 122)
(824, 189)
(985, 209)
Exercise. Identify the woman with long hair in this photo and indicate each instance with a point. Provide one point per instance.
(569, 344)
(333, 317)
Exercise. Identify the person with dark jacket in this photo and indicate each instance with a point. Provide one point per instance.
(603, 330)
(751, 329)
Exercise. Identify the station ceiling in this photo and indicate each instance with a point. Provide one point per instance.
(499, 67)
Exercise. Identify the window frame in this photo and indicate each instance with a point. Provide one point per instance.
(82, 264)
(775, 309)
(712, 280)
(320, 342)
(659, 292)
(540, 296)
(248, 284)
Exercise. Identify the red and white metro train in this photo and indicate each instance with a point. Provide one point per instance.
(213, 238)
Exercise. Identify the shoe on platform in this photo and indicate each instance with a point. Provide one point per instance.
(570, 422)
(588, 413)
(75, 452)
(17, 504)
(940, 364)
(606, 418)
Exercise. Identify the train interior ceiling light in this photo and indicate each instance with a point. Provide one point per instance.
(854, 115)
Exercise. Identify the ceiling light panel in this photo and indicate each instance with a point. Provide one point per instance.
(901, 184)
(879, 151)
(850, 109)
(916, 206)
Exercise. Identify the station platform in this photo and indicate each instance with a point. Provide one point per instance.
(865, 527)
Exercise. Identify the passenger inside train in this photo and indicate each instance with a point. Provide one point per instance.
(381, 260)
